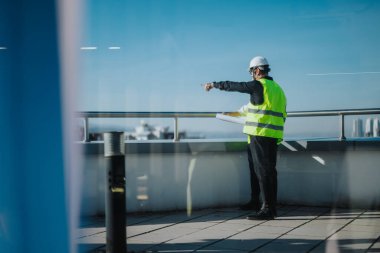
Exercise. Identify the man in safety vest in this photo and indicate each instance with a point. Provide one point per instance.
(265, 119)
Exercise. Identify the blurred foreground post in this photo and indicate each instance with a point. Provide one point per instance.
(114, 150)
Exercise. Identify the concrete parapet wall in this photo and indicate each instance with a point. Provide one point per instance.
(203, 174)
(344, 174)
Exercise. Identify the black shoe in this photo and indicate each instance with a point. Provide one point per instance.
(250, 206)
(263, 214)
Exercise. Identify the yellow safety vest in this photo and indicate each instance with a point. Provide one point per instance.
(267, 119)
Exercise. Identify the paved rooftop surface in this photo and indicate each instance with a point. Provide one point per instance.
(297, 229)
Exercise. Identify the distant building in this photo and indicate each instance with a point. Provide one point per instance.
(376, 127)
(357, 130)
(368, 127)
(372, 128)
(149, 132)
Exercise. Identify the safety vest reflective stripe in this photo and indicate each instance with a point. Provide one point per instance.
(266, 112)
(263, 125)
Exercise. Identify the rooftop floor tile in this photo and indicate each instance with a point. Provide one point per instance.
(297, 229)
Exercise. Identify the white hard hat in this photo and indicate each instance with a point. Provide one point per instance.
(258, 61)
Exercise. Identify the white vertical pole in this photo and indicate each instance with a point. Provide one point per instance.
(86, 131)
(176, 134)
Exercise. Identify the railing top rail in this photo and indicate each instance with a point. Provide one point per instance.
(114, 114)
(111, 114)
(335, 112)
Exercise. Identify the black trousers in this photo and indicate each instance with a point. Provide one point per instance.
(262, 158)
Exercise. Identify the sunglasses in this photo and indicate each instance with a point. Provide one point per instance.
(251, 70)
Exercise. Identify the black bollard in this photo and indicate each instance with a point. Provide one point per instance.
(114, 150)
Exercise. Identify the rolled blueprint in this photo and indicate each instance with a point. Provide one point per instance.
(237, 120)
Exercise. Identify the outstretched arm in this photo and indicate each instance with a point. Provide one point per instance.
(243, 87)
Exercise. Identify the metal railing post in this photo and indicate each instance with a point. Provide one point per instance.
(342, 135)
(176, 134)
(86, 132)
(114, 150)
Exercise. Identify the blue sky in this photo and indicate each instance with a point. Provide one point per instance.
(325, 54)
